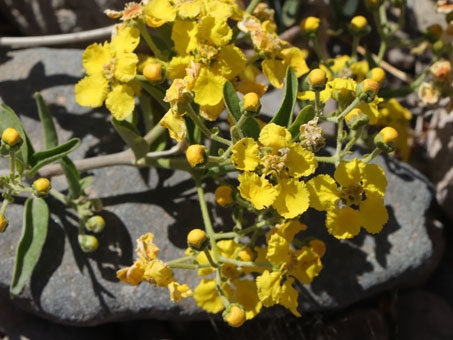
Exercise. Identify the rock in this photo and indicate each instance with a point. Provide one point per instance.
(439, 145)
(15, 324)
(42, 17)
(424, 13)
(71, 287)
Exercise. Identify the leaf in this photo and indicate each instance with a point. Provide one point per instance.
(8, 118)
(304, 116)
(42, 158)
(86, 182)
(232, 101)
(34, 232)
(157, 93)
(72, 177)
(290, 9)
(250, 128)
(50, 133)
(131, 137)
(284, 114)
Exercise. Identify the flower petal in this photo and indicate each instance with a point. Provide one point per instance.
(92, 90)
(258, 190)
(121, 101)
(293, 198)
(324, 193)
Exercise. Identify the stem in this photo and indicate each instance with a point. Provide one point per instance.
(188, 265)
(245, 264)
(370, 156)
(209, 257)
(318, 103)
(351, 143)
(251, 7)
(12, 165)
(355, 43)
(339, 141)
(329, 159)
(206, 219)
(182, 259)
(144, 32)
(219, 288)
(204, 129)
(5, 204)
(351, 107)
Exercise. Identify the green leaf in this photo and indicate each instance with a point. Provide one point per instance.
(250, 128)
(86, 182)
(290, 9)
(284, 114)
(8, 118)
(42, 158)
(232, 101)
(50, 133)
(304, 116)
(34, 232)
(157, 93)
(72, 177)
(131, 137)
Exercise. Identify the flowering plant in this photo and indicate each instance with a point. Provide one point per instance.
(192, 63)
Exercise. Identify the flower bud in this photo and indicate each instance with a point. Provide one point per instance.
(312, 136)
(223, 195)
(386, 138)
(247, 255)
(317, 79)
(88, 243)
(318, 246)
(196, 155)
(310, 25)
(433, 33)
(359, 26)
(197, 239)
(356, 119)
(367, 90)
(3, 224)
(234, 315)
(41, 187)
(153, 72)
(95, 224)
(377, 74)
(252, 102)
(11, 141)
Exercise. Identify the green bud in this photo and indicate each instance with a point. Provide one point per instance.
(95, 224)
(88, 243)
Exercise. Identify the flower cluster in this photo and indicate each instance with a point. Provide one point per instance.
(213, 60)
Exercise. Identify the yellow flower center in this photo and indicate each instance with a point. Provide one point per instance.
(352, 194)
(274, 164)
(109, 69)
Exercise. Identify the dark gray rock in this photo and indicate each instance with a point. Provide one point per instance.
(41, 17)
(74, 288)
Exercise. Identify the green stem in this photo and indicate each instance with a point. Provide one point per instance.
(355, 43)
(318, 103)
(225, 301)
(339, 141)
(5, 204)
(371, 156)
(154, 134)
(329, 159)
(12, 165)
(204, 129)
(351, 143)
(207, 220)
(209, 257)
(144, 32)
(188, 265)
(251, 7)
(351, 107)
(245, 264)
(155, 92)
(181, 259)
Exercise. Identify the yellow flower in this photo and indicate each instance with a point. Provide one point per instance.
(175, 125)
(305, 264)
(209, 87)
(246, 295)
(111, 62)
(258, 190)
(293, 198)
(268, 288)
(223, 195)
(158, 12)
(275, 137)
(289, 296)
(245, 154)
(158, 273)
(343, 223)
(178, 291)
(310, 24)
(361, 185)
(207, 297)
